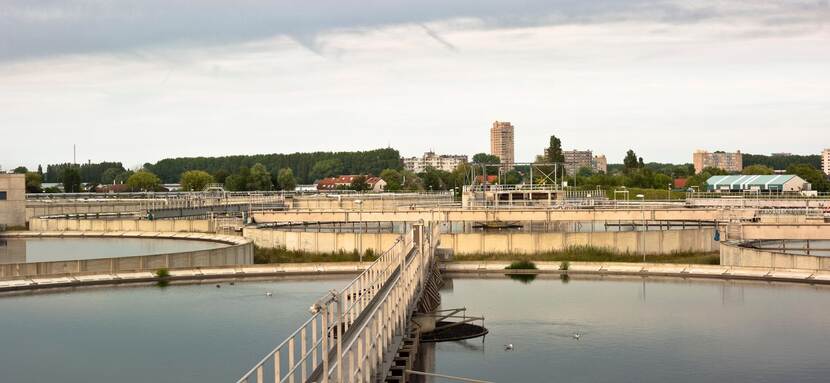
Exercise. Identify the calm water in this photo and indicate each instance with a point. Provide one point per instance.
(633, 330)
(20, 250)
(180, 333)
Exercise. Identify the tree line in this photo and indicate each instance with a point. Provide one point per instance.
(306, 167)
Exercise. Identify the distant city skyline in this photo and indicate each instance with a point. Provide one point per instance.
(136, 84)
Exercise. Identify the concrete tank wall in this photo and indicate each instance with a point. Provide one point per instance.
(167, 225)
(240, 253)
(652, 242)
(731, 254)
(41, 208)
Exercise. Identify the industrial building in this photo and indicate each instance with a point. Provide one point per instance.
(443, 162)
(501, 142)
(12, 200)
(730, 162)
(757, 183)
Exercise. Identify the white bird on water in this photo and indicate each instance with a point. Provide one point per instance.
(508, 347)
(268, 294)
(577, 335)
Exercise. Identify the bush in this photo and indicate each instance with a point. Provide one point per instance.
(521, 265)
(163, 273)
(264, 255)
(565, 265)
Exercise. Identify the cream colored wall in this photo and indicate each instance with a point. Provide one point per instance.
(733, 255)
(13, 208)
(167, 225)
(653, 242)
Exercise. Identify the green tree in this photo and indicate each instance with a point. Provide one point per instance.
(40, 171)
(815, 177)
(286, 180)
(71, 178)
(109, 176)
(757, 170)
(553, 153)
(585, 172)
(260, 178)
(239, 180)
(630, 161)
(484, 158)
(393, 178)
(359, 184)
(21, 170)
(512, 177)
(411, 182)
(326, 168)
(195, 180)
(143, 180)
(220, 176)
(34, 182)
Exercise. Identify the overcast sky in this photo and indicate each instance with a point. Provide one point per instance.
(137, 81)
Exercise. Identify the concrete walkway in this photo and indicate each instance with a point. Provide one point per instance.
(472, 267)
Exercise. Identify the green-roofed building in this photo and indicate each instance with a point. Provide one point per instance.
(758, 183)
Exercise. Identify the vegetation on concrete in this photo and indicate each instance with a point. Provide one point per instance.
(523, 264)
(163, 273)
(597, 254)
(281, 255)
(564, 266)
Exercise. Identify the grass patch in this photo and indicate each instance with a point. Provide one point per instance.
(521, 265)
(596, 254)
(163, 273)
(281, 255)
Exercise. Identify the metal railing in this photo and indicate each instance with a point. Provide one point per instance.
(350, 330)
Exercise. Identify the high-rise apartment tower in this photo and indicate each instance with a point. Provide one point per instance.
(501, 141)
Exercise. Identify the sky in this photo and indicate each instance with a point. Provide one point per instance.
(138, 81)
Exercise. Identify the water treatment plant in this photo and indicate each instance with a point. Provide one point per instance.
(291, 287)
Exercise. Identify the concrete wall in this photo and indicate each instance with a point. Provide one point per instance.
(13, 207)
(516, 214)
(733, 255)
(315, 242)
(377, 201)
(652, 242)
(167, 225)
(786, 231)
(59, 207)
(233, 254)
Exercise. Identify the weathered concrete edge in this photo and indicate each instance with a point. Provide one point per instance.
(228, 239)
(647, 269)
(467, 267)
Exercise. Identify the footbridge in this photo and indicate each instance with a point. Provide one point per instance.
(353, 333)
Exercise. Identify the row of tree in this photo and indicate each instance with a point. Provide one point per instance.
(306, 167)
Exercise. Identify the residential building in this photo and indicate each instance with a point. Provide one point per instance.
(577, 159)
(376, 184)
(443, 162)
(758, 183)
(501, 142)
(600, 164)
(730, 162)
(825, 161)
(12, 200)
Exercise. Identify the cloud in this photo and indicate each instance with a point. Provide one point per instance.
(36, 28)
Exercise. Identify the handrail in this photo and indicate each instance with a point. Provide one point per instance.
(395, 273)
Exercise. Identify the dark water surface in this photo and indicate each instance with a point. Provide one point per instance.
(633, 330)
(180, 333)
(636, 330)
(28, 250)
